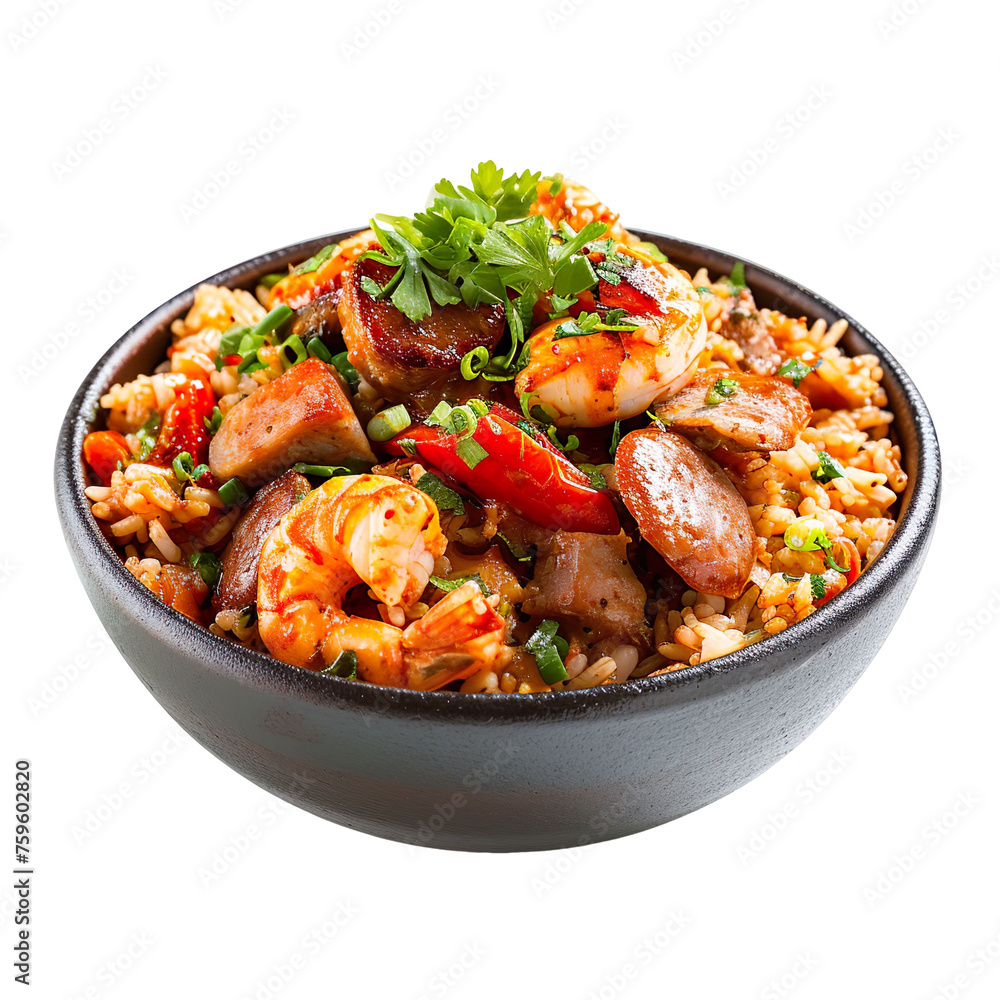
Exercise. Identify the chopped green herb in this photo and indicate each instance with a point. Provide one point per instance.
(555, 184)
(542, 645)
(198, 471)
(233, 492)
(386, 424)
(807, 534)
(737, 277)
(208, 565)
(349, 373)
(817, 585)
(471, 452)
(616, 436)
(270, 280)
(829, 468)
(213, 421)
(183, 465)
(147, 435)
(444, 497)
(796, 370)
(721, 389)
(449, 585)
(572, 441)
(372, 287)
(231, 340)
(597, 479)
(345, 665)
(317, 260)
(317, 349)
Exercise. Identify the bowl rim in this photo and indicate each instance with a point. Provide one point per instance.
(249, 666)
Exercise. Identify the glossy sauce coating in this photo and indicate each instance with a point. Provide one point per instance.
(762, 414)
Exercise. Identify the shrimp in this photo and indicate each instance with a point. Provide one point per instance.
(384, 533)
(577, 206)
(594, 379)
(299, 288)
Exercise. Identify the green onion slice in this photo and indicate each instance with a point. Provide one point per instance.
(388, 423)
(315, 348)
(233, 492)
(321, 471)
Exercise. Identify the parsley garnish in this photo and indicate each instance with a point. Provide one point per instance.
(721, 389)
(449, 585)
(797, 370)
(477, 245)
(829, 468)
(588, 323)
(444, 497)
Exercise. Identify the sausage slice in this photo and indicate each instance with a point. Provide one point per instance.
(238, 584)
(687, 509)
(760, 414)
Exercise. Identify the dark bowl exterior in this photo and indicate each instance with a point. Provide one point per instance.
(502, 772)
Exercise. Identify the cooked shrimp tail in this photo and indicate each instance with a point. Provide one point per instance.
(380, 532)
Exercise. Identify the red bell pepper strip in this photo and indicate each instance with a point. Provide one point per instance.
(520, 470)
(183, 428)
(103, 450)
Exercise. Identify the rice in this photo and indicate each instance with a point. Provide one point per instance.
(159, 522)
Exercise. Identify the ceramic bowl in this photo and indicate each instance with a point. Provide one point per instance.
(502, 772)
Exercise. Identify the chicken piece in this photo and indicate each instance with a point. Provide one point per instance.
(687, 509)
(238, 584)
(588, 577)
(761, 414)
(404, 359)
(302, 416)
(744, 325)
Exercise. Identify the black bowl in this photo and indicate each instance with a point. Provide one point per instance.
(501, 772)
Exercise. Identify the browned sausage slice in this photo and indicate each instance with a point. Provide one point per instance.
(762, 414)
(302, 416)
(687, 509)
(238, 584)
(399, 356)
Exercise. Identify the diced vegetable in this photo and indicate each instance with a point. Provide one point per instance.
(496, 460)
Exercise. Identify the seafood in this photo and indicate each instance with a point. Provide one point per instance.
(377, 531)
(594, 379)
(499, 446)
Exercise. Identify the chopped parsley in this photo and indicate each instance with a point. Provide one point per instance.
(721, 389)
(829, 468)
(449, 585)
(796, 370)
(444, 497)
(345, 665)
(147, 435)
(208, 565)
